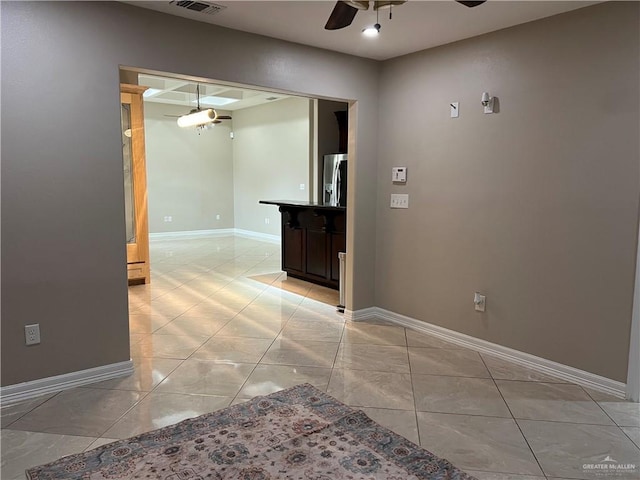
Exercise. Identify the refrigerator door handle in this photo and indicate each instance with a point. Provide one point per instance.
(335, 178)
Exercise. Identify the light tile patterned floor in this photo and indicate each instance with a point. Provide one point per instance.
(220, 324)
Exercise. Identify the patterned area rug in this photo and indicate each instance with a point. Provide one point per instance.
(300, 433)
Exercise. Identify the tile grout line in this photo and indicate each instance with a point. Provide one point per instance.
(335, 357)
(610, 417)
(264, 354)
(413, 390)
(31, 410)
(514, 418)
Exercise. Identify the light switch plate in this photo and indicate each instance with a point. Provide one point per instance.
(455, 110)
(399, 200)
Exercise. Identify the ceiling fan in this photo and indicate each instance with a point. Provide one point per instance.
(197, 117)
(345, 10)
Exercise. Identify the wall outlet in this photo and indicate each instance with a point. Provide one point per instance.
(217, 217)
(302, 186)
(168, 218)
(32, 334)
(399, 200)
(480, 302)
(267, 221)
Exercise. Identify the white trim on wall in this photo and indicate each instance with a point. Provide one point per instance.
(221, 232)
(265, 237)
(542, 365)
(27, 390)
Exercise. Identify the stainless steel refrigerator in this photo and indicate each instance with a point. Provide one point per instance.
(335, 179)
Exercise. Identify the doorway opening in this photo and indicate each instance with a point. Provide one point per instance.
(215, 251)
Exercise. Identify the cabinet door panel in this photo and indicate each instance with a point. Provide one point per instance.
(317, 253)
(292, 252)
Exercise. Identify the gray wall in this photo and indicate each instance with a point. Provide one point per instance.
(537, 206)
(189, 173)
(63, 250)
(270, 161)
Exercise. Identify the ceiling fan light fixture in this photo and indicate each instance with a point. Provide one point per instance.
(197, 118)
(385, 4)
(372, 31)
(360, 5)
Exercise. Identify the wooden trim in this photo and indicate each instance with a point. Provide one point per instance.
(135, 89)
(140, 181)
(132, 94)
(132, 251)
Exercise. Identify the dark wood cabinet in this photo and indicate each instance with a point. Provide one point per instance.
(312, 236)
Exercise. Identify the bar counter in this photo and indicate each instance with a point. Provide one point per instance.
(312, 236)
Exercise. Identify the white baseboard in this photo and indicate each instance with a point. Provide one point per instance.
(361, 315)
(542, 365)
(257, 235)
(220, 232)
(27, 390)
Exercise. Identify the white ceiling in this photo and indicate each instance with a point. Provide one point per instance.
(416, 25)
(173, 91)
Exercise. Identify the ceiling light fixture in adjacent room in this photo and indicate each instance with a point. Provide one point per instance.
(197, 117)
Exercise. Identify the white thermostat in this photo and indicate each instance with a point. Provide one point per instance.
(399, 174)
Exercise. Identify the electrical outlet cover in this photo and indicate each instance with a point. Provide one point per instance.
(32, 334)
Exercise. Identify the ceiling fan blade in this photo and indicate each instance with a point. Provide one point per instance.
(341, 16)
(223, 117)
(471, 3)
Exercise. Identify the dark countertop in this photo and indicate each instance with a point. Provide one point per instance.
(302, 204)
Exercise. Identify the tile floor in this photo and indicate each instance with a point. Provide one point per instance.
(220, 324)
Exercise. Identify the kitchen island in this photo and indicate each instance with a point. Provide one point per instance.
(312, 236)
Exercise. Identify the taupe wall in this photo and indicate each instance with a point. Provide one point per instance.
(189, 173)
(63, 251)
(270, 161)
(537, 206)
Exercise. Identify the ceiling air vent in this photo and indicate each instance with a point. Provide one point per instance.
(200, 7)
